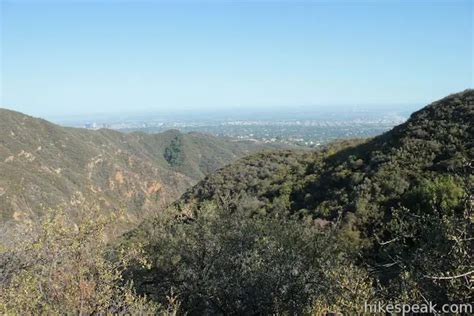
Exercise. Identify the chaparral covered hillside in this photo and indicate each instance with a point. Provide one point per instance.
(43, 166)
(388, 219)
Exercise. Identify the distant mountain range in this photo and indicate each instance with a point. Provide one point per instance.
(43, 165)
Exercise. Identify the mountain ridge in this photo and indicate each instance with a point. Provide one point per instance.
(392, 207)
(44, 165)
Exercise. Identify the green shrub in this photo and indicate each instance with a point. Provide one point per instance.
(228, 260)
(65, 271)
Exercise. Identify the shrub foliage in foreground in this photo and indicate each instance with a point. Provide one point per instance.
(228, 260)
(65, 270)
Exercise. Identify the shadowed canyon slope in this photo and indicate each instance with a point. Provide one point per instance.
(347, 177)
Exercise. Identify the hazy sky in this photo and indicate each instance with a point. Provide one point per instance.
(75, 57)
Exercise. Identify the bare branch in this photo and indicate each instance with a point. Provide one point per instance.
(451, 277)
(383, 243)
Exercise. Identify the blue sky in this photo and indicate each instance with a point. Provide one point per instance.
(79, 57)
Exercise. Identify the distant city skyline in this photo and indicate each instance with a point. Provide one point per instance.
(85, 57)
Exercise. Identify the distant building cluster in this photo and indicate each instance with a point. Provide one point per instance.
(95, 126)
(311, 132)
